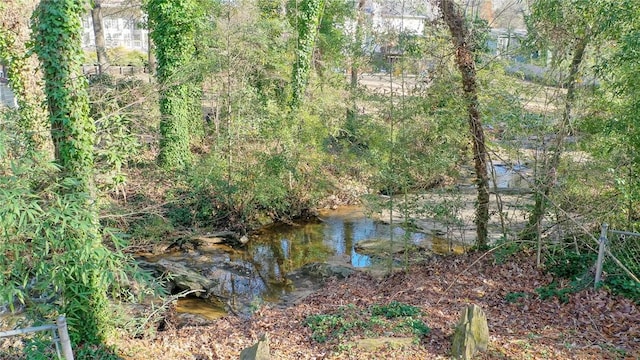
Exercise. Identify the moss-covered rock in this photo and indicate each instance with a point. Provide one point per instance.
(471, 334)
(259, 351)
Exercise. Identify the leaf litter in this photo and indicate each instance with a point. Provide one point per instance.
(591, 324)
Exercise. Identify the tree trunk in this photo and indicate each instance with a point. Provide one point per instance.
(548, 179)
(151, 52)
(58, 45)
(466, 65)
(357, 51)
(356, 55)
(174, 28)
(98, 31)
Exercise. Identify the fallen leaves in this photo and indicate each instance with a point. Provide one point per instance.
(592, 324)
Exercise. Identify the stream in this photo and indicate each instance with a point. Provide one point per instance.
(272, 267)
(261, 272)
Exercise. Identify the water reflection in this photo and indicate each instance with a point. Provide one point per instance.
(283, 248)
(510, 177)
(260, 271)
(207, 310)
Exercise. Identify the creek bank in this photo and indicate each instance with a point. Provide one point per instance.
(280, 264)
(230, 282)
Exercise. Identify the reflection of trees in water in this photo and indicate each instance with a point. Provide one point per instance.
(280, 251)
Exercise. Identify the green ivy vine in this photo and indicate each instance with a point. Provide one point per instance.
(307, 21)
(174, 28)
(32, 115)
(79, 267)
(57, 28)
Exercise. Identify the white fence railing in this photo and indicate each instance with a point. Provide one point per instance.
(61, 340)
(623, 248)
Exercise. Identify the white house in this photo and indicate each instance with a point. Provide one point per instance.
(123, 25)
(397, 16)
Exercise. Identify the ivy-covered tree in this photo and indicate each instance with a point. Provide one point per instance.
(58, 29)
(307, 19)
(77, 257)
(174, 28)
(24, 77)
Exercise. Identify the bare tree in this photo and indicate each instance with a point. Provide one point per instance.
(98, 31)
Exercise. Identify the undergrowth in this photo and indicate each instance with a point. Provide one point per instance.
(397, 318)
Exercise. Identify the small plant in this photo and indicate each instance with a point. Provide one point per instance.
(39, 347)
(395, 309)
(96, 352)
(325, 327)
(514, 297)
(394, 317)
(624, 286)
(551, 290)
(569, 264)
(417, 326)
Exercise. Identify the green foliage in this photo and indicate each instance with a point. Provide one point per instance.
(480, 31)
(417, 326)
(119, 56)
(52, 243)
(53, 257)
(623, 285)
(72, 130)
(332, 38)
(326, 327)
(377, 320)
(570, 264)
(514, 297)
(96, 352)
(32, 115)
(412, 146)
(115, 108)
(395, 309)
(307, 19)
(505, 248)
(174, 28)
(261, 184)
(552, 290)
(41, 347)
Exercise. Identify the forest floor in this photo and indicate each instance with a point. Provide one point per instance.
(589, 324)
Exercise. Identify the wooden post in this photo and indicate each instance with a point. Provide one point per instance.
(67, 352)
(601, 250)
